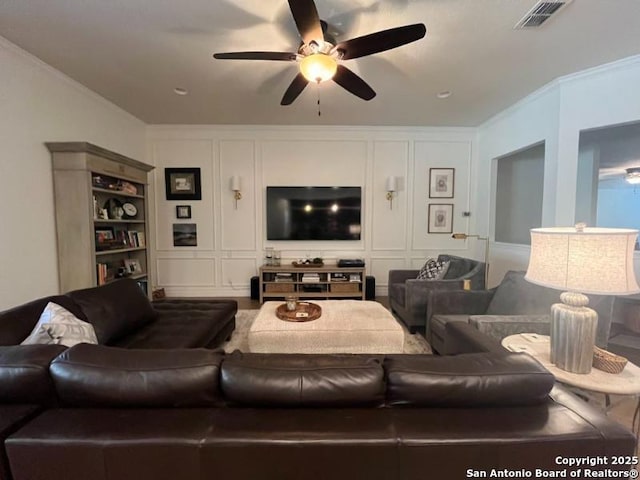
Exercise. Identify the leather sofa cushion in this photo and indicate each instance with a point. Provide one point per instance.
(271, 380)
(16, 324)
(24, 373)
(114, 309)
(96, 375)
(474, 379)
(184, 324)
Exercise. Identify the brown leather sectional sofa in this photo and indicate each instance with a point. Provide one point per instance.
(122, 316)
(112, 413)
(193, 414)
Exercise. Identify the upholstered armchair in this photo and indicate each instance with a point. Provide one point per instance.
(514, 306)
(408, 295)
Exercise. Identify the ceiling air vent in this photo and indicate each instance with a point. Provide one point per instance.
(540, 13)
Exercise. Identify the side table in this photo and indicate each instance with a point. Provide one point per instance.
(626, 382)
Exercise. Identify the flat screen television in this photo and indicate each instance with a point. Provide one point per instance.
(314, 213)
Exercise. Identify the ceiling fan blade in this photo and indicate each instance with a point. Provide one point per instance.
(353, 83)
(307, 20)
(295, 89)
(381, 41)
(278, 56)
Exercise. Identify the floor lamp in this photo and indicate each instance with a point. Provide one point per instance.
(464, 236)
(580, 260)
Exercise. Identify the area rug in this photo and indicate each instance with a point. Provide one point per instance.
(244, 318)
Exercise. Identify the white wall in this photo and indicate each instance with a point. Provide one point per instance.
(39, 104)
(519, 182)
(606, 95)
(231, 242)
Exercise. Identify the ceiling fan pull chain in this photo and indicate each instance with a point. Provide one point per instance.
(318, 90)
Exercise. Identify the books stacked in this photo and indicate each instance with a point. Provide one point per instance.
(310, 278)
(104, 273)
(136, 239)
(283, 277)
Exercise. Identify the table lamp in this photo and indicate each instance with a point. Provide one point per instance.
(580, 260)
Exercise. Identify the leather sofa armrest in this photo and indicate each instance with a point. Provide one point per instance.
(501, 326)
(456, 302)
(401, 276)
(618, 440)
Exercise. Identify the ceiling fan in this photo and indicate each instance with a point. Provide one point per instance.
(320, 56)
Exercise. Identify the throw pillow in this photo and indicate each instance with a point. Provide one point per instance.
(59, 326)
(433, 270)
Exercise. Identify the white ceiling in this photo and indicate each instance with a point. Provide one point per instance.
(135, 52)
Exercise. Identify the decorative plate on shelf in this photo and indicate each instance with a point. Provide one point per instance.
(130, 210)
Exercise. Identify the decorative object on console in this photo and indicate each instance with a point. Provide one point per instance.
(440, 218)
(182, 183)
(441, 182)
(315, 262)
(580, 259)
(391, 189)
(183, 211)
(464, 236)
(236, 186)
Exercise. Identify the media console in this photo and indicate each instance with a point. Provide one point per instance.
(319, 282)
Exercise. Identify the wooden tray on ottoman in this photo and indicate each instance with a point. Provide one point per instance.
(311, 310)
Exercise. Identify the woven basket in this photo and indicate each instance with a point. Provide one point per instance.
(607, 361)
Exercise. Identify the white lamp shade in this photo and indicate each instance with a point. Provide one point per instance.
(593, 261)
(236, 183)
(392, 184)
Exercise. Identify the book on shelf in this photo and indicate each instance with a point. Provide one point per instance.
(310, 278)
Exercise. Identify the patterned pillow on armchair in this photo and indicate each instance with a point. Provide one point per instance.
(433, 270)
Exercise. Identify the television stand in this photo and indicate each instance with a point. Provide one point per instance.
(311, 282)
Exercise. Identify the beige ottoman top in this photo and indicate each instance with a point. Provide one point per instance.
(346, 326)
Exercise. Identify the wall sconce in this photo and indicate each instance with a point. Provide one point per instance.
(464, 236)
(392, 187)
(236, 187)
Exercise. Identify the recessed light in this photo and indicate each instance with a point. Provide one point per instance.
(180, 91)
(444, 94)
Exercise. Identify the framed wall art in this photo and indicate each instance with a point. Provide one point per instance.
(183, 211)
(185, 235)
(182, 183)
(440, 218)
(441, 182)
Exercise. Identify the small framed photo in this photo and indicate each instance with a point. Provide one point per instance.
(440, 218)
(441, 182)
(182, 183)
(132, 265)
(183, 211)
(185, 235)
(105, 235)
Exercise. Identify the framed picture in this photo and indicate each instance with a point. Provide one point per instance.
(183, 211)
(185, 235)
(132, 265)
(440, 218)
(182, 183)
(105, 235)
(441, 182)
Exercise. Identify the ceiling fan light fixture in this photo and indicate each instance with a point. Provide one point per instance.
(633, 175)
(318, 67)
